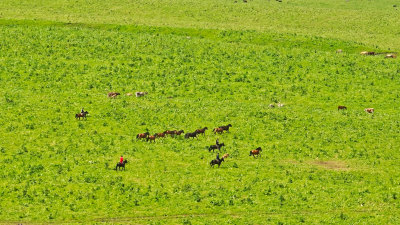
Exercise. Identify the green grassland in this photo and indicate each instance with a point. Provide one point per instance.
(205, 63)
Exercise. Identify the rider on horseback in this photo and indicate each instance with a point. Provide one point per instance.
(218, 156)
(82, 111)
(217, 142)
(121, 160)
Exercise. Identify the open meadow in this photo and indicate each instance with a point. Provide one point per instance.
(204, 64)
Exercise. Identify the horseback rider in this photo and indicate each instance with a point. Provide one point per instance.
(121, 160)
(218, 156)
(82, 111)
(217, 142)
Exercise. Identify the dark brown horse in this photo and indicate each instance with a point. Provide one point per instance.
(216, 161)
(257, 152)
(81, 115)
(179, 132)
(341, 107)
(142, 135)
(121, 165)
(201, 131)
(226, 127)
(191, 135)
(218, 130)
(213, 147)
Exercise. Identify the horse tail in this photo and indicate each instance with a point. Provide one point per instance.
(76, 115)
(250, 153)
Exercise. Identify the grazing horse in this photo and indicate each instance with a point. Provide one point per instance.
(201, 131)
(113, 94)
(81, 115)
(226, 155)
(121, 165)
(151, 138)
(213, 147)
(216, 161)
(341, 107)
(369, 110)
(191, 135)
(255, 152)
(179, 132)
(226, 127)
(140, 94)
(218, 130)
(142, 135)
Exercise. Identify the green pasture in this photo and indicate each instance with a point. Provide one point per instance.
(204, 64)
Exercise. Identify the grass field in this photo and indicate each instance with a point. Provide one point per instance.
(207, 63)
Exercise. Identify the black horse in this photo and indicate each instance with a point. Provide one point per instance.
(119, 165)
(226, 127)
(191, 135)
(216, 161)
(213, 147)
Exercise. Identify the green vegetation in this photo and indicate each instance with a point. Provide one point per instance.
(201, 68)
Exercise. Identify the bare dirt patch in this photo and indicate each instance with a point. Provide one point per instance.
(331, 165)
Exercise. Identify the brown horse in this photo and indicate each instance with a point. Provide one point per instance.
(341, 107)
(170, 132)
(218, 130)
(257, 152)
(142, 135)
(179, 132)
(226, 155)
(81, 115)
(201, 131)
(152, 138)
(113, 94)
(161, 135)
(369, 110)
(226, 127)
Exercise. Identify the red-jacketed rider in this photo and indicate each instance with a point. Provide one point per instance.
(121, 159)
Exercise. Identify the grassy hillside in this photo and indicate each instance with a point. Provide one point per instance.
(375, 23)
(318, 165)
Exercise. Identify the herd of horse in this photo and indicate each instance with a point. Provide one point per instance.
(173, 133)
